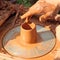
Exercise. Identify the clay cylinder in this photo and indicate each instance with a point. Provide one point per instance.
(28, 33)
(58, 32)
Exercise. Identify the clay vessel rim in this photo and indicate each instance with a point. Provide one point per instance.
(28, 29)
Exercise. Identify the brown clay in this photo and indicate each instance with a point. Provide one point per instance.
(28, 33)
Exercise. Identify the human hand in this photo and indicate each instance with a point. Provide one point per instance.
(47, 9)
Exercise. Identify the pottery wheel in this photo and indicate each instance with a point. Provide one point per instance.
(34, 50)
(5, 57)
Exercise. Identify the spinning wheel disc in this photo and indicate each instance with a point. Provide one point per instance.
(33, 50)
(5, 57)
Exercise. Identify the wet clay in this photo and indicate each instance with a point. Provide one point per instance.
(28, 33)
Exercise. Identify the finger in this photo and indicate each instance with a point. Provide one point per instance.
(57, 17)
(27, 14)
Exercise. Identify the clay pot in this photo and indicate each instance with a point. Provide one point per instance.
(58, 32)
(28, 33)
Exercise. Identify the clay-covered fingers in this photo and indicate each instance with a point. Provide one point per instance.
(57, 17)
(35, 9)
(27, 14)
(42, 18)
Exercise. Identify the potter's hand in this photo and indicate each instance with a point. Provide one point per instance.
(45, 8)
(35, 9)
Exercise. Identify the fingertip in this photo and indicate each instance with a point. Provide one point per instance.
(21, 17)
(40, 19)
